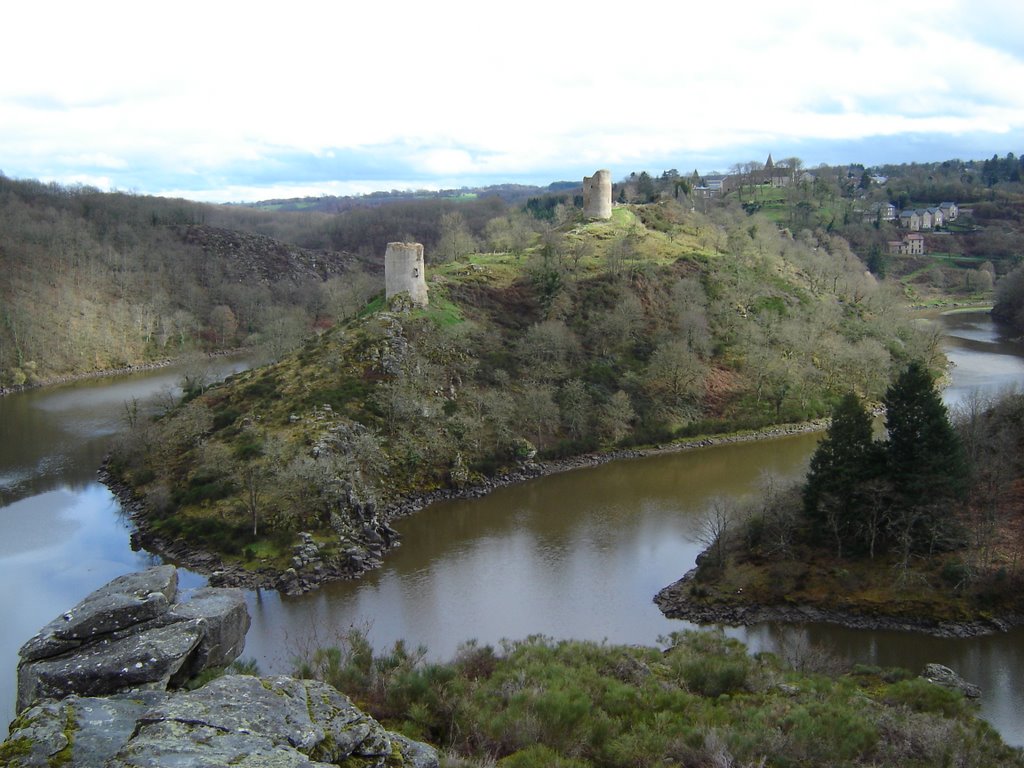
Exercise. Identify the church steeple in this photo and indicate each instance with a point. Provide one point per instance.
(769, 165)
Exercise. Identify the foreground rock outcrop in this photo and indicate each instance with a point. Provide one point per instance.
(98, 687)
(131, 634)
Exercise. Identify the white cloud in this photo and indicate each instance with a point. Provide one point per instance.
(455, 90)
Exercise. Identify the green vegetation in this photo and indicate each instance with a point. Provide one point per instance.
(703, 701)
(926, 525)
(96, 281)
(99, 281)
(865, 496)
(650, 327)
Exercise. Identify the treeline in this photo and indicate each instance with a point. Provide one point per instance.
(933, 487)
(922, 527)
(864, 496)
(448, 227)
(513, 194)
(1009, 306)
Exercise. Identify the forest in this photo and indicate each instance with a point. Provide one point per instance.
(97, 281)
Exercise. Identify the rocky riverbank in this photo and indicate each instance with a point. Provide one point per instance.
(308, 571)
(680, 600)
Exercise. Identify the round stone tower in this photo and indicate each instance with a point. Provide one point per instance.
(597, 195)
(404, 272)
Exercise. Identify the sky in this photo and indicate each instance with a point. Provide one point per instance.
(229, 102)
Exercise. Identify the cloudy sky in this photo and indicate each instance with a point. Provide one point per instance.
(232, 101)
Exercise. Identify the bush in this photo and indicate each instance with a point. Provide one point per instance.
(538, 702)
(921, 695)
(715, 676)
(249, 447)
(956, 574)
(829, 731)
(202, 488)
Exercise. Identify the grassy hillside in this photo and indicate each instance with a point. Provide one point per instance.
(658, 324)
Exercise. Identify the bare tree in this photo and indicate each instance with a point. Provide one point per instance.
(714, 525)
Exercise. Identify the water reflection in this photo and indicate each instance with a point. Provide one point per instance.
(983, 360)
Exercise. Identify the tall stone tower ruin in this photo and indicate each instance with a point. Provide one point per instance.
(404, 272)
(597, 195)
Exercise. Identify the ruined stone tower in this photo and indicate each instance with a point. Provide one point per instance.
(597, 195)
(404, 272)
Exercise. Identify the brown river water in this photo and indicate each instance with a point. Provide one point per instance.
(578, 554)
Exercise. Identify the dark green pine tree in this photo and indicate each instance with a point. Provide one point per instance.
(925, 463)
(843, 464)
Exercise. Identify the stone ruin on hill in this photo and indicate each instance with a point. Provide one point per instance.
(404, 272)
(597, 195)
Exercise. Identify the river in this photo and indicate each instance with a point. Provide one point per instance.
(578, 554)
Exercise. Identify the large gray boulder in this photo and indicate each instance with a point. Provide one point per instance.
(131, 635)
(126, 601)
(234, 720)
(151, 659)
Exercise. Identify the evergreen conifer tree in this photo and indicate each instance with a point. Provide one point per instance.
(846, 459)
(925, 462)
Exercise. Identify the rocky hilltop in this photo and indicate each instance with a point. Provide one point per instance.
(104, 685)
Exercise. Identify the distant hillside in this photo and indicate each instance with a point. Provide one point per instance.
(510, 193)
(659, 324)
(95, 281)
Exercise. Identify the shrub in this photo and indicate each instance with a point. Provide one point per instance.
(715, 676)
(830, 731)
(921, 695)
(249, 447)
(476, 662)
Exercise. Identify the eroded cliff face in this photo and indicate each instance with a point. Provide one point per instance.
(100, 686)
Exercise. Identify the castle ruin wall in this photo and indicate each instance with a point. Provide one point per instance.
(597, 195)
(404, 272)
